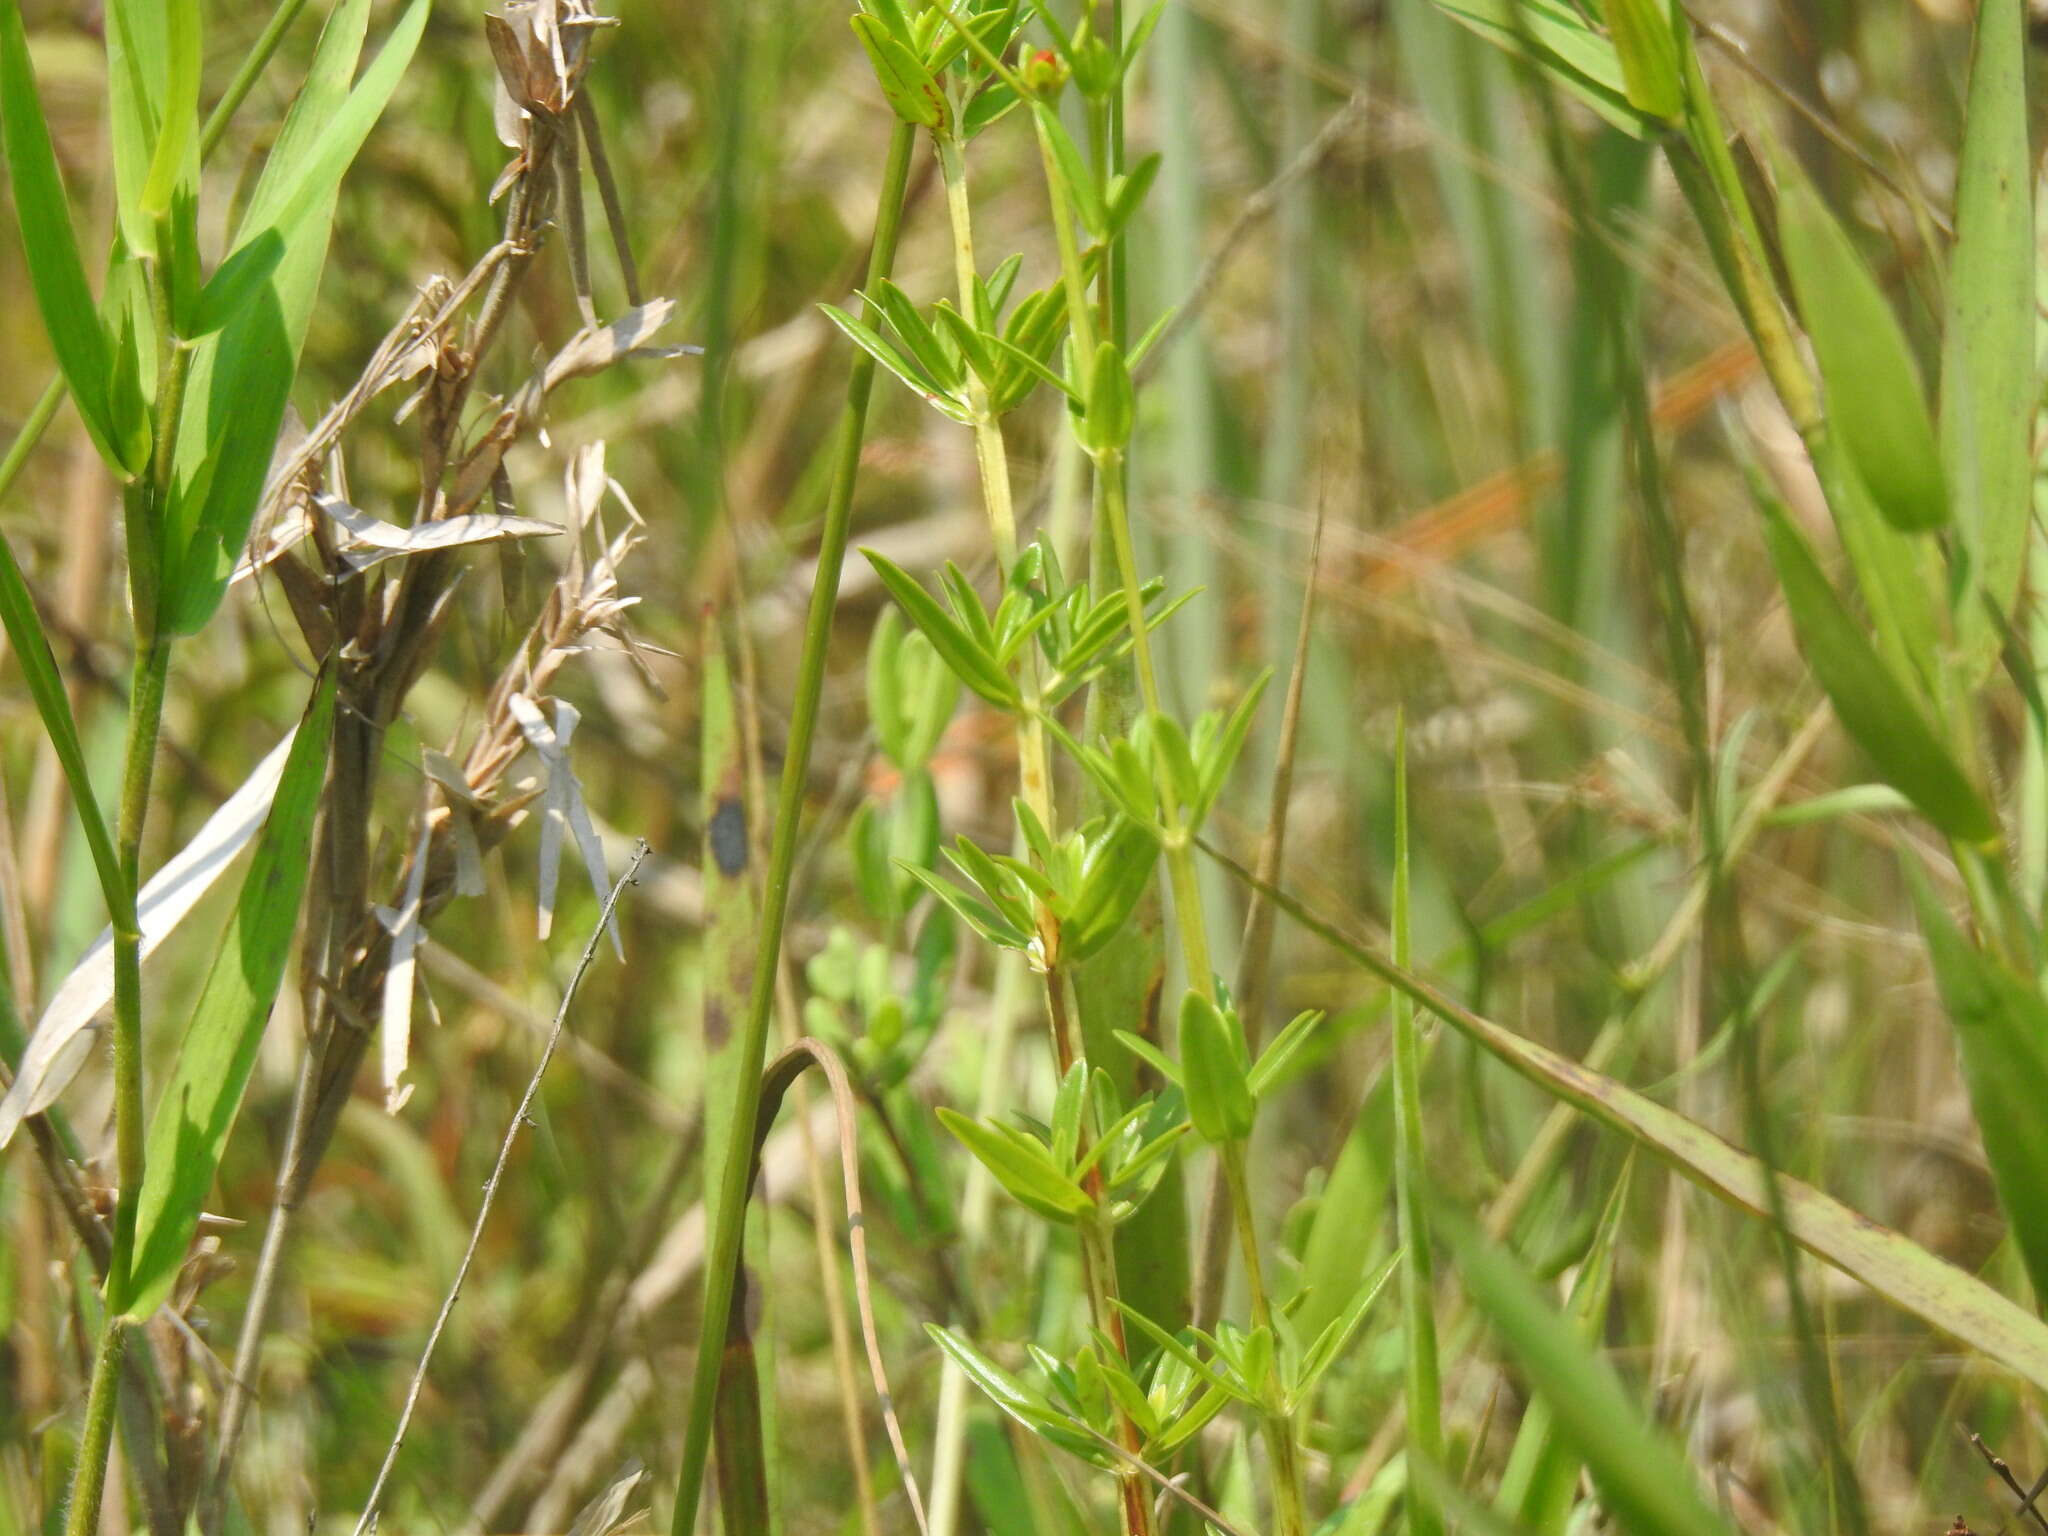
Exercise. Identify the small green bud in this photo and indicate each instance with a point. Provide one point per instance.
(1045, 74)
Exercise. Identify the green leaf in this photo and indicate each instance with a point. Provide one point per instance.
(175, 161)
(1552, 36)
(138, 55)
(1875, 400)
(870, 341)
(1077, 179)
(311, 178)
(1220, 1098)
(1988, 381)
(235, 283)
(1329, 1345)
(1015, 1399)
(197, 1110)
(909, 87)
(983, 919)
(1281, 1049)
(1220, 753)
(242, 376)
(973, 665)
(916, 333)
(55, 273)
(1644, 1482)
(2001, 1026)
(1115, 874)
(1641, 30)
(1106, 421)
(1872, 704)
(46, 686)
(1022, 1167)
(1540, 1484)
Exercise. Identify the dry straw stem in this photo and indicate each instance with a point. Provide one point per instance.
(389, 617)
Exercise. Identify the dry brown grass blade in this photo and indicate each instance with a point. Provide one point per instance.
(1467, 519)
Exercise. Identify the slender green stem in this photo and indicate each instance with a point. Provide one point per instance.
(992, 460)
(145, 715)
(87, 1487)
(1114, 505)
(1098, 1260)
(1034, 755)
(1289, 1500)
(246, 75)
(40, 415)
(725, 1242)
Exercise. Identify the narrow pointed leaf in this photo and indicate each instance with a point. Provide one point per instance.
(190, 1127)
(1872, 704)
(1892, 1266)
(1875, 400)
(55, 273)
(906, 83)
(2001, 1025)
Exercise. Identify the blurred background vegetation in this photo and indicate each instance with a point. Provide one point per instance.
(1390, 321)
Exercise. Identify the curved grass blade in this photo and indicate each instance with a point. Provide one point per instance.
(190, 1128)
(46, 686)
(1891, 1265)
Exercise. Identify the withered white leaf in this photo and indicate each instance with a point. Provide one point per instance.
(63, 1036)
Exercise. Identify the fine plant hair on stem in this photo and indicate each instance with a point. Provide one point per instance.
(368, 1519)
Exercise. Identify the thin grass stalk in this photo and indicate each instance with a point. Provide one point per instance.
(725, 1244)
(1424, 1386)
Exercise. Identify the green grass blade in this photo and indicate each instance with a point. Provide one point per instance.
(53, 705)
(728, 904)
(175, 161)
(1988, 391)
(1418, 1286)
(55, 272)
(2001, 1024)
(1875, 400)
(138, 50)
(1644, 1482)
(1540, 1484)
(190, 1128)
(242, 377)
(1870, 700)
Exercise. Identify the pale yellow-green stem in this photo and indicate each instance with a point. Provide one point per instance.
(992, 459)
